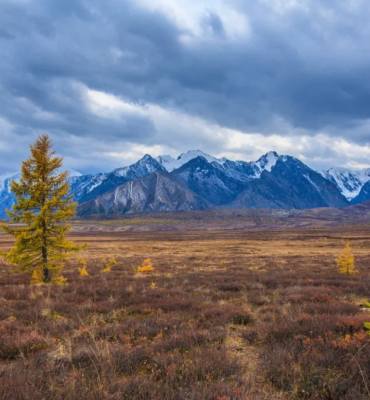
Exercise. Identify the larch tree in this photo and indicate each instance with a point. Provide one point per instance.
(346, 261)
(43, 205)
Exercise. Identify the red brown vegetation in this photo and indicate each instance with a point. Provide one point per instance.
(232, 315)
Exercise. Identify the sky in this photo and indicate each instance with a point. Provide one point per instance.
(113, 80)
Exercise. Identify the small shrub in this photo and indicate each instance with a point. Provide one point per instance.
(367, 327)
(82, 270)
(367, 304)
(146, 266)
(60, 280)
(242, 318)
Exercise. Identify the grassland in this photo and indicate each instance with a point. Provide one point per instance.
(342, 218)
(226, 314)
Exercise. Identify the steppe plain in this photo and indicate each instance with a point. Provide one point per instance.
(240, 305)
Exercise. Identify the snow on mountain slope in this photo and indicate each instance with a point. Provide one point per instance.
(88, 187)
(5, 180)
(210, 180)
(170, 163)
(289, 185)
(72, 173)
(349, 182)
(272, 181)
(236, 169)
(143, 167)
(278, 181)
(241, 170)
(266, 163)
(156, 192)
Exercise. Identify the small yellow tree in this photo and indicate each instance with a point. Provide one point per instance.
(146, 266)
(43, 205)
(346, 261)
(82, 270)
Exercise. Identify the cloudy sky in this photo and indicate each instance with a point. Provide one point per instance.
(112, 80)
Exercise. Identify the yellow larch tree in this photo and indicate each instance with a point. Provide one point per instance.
(346, 261)
(43, 205)
(82, 270)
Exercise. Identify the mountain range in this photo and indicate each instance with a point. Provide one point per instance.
(198, 181)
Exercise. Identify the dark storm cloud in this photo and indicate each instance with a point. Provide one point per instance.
(213, 21)
(307, 65)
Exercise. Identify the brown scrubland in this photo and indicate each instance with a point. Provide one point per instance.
(224, 314)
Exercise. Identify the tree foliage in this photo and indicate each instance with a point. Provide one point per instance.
(43, 204)
(346, 261)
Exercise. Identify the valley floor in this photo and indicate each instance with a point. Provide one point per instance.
(226, 314)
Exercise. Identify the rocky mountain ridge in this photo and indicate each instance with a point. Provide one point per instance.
(196, 180)
(279, 182)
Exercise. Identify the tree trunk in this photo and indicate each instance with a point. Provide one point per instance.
(47, 276)
(45, 261)
(45, 254)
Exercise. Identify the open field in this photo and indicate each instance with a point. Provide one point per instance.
(342, 218)
(226, 314)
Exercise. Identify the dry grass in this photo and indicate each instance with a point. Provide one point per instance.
(225, 315)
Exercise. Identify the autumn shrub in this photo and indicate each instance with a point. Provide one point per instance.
(82, 267)
(23, 342)
(146, 266)
(242, 318)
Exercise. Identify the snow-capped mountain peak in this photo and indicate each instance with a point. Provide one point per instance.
(145, 165)
(267, 182)
(146, 160)
(266, 163)
(6, 178)
(170, 163)
(349, 182)
(72, 173)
